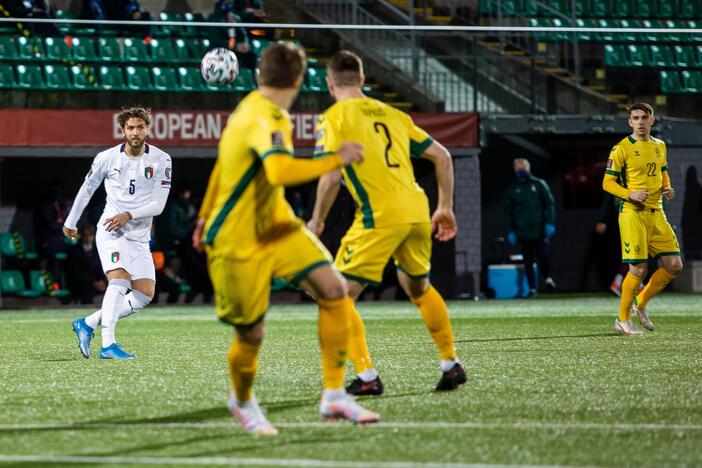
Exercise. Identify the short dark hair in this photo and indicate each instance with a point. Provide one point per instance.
(281, 65)
(136, 112)
(345, 68)
(642, 106)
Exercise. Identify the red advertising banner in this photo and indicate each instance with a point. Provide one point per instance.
(89, 128)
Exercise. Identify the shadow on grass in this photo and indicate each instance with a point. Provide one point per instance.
(206, 414)
(558, 337)
(62, 360)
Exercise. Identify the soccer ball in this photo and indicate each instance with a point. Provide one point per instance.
(219, 67)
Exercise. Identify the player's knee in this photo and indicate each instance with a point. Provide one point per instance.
(252, 335)
(335, 290)
(674, 267)
(638, 270)
(137, 300)
(417, 287)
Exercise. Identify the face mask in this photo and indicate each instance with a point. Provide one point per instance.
(522, 174)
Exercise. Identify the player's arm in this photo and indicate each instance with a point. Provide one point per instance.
(443, 219)
(668, 190)
(85, 193)
(327, 191)
(610, 182)
(155, 206)
(206, 207)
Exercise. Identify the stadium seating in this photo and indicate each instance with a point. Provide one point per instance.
(56, 49)
(165, 79)
(42, 282)
(57, 77)
(316, 80)
(8, 49)
(111, 78)
(12, 246)
(30, 76)
(245, 81)
(138, 79)
(12, 284)
(109, 49)
(83, 49)
(190, 79)
(83, 77)
(7, 76)
(162, 50)
(135, 51)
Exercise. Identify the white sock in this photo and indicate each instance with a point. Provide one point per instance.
(134, 301)
(618, 280)
(447, 365)
(368, 375)
(111, 303)
(333, 394)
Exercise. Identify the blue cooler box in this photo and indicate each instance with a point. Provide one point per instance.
(509, 281)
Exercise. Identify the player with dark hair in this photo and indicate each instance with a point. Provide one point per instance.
(637, 172)
(393, 217)
(251, 236)
(137, 178)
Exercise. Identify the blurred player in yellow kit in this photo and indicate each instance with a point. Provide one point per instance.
(637, 172)
(392, 218)
(251, 235)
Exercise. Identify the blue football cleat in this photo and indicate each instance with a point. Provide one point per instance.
(84, 334)
(114, 352)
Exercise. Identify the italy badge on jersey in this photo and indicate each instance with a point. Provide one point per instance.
(148, 172)
(115, 257)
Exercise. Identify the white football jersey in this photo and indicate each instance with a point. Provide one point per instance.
(131, 182)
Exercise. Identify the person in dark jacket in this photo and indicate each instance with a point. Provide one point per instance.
(529, 205)
(83, 268)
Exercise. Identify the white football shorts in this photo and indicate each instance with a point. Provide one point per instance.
(116, 251)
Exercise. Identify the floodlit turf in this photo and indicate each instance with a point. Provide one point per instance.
(550, 383)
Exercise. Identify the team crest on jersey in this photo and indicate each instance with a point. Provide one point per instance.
(277, 139)
(148, 172)
(658, 153)
(609, 163)
(115, 257)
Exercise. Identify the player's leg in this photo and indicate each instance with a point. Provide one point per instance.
(241, 300)
(634, 238)
(311, 268)
(664, 245)
(528, 256)
(117, 287)
(413, 261)
(543, 249)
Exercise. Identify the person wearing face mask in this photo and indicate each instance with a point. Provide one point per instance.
(529, 205)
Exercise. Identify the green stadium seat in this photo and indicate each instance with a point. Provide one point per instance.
(8, 49)
(559, 36)
(661, 56)
(511, 8)
(540, 23)
(684, 56)
(698, 56)
(83, 77)
(190, 31)
(190, 79)
(198, 47)
(29, 48)
(162, 50)
(138, 78)
(12, 243)
(245, 81)
(317, 80)
(623, 8)
(672, 24)
(168, 31)
(638, 55)
(600, 8)
(109, 49)
(561, 6)
(135, 51)
(7, 76)
(111, 78)
(165, 79)
(627, 37)
(689, 9)
(694, 38)
(616, 56)
(607, 36)
(651, 37)
(257, 45)
(670, 82)
(83, 49)
(57, 77)
(691, 81)
(29, 76)
(183, 53)
(56, 49)
(587, 36)
(643, 8)
(582, 8)
(667, 9)
(12, 284)
(41, 282)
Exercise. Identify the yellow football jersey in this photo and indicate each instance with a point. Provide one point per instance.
(640, 166)
(383, 186)
(246, 209)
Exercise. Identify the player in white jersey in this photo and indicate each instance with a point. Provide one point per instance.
(137, 179)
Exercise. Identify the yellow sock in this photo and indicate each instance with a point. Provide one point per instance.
(243, 363)
(659, 280)
(435, 316)
(358, 348)
(630, 287)
(334, 327)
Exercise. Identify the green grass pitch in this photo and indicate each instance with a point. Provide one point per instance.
(550, 383)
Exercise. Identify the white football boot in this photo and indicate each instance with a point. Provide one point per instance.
(643, 317)
(250, 416)
(626, 327)
(345, 407)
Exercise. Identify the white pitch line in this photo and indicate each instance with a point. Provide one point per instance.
(241, 462)
(525, 426)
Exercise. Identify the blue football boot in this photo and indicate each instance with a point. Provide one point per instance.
(84, 334)
(114, 352)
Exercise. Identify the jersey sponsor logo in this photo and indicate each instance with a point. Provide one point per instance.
(168, 173)
(115, 257)
(277, 139)
(148, 172)
(610, 162)
(636, 153)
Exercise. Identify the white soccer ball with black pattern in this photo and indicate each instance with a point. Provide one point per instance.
(219, 67)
